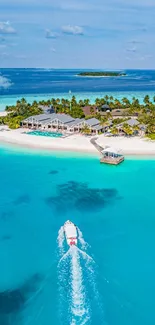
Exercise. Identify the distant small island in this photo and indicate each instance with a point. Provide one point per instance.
(102, 74)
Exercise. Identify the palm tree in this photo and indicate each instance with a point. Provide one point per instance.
(127, 129)
(34, 103)
(63, 102)
(114, 130)
(117, 103)
(23, 101)
(135, 103)
(86, 102)
(126, 102)
(86, 130)
(58, 100)
(73, 101)
(106, 97)
(97, 102)
(81, 103)
(146, 100)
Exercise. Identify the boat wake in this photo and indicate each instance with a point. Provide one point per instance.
(76, 279)
(60, 241)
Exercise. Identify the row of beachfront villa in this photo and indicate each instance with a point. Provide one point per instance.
(62, 122)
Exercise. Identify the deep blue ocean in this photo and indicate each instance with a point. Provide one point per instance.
(113, 208)
(46, 83)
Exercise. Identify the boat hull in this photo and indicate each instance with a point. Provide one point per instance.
(70, 231)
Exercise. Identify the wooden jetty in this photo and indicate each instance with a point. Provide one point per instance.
(96, 145)
(110, 155)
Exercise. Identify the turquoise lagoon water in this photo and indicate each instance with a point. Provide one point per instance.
(114, 209)
(45, 134)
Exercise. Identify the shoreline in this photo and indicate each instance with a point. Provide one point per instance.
(78, 144)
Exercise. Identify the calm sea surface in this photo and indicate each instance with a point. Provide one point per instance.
(46, 83)
(113, 208)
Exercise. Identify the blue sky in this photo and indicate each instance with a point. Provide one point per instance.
(111, 34)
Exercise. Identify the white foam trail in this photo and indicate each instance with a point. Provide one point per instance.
(85, 255)
(63, 258)
(63, 285)
(91, 277)
(79, 307)
(76, 278)
(60, 240)
(89, 267)
(84, 244)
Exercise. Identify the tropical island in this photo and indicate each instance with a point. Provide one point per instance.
(108, 110)
(102, 74)
(123, 123)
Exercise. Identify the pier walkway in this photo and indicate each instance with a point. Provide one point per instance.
(97, 146)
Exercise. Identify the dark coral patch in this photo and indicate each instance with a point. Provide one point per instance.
(6, 237)
(23, 199)
(82, 197)
(53, 172)
(7, 215)
(12, 301)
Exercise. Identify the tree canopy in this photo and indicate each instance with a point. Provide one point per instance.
(145, 110)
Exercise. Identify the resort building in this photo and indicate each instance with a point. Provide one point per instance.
(138, 129)
(47, 109)
(105, 108)
(62, 122)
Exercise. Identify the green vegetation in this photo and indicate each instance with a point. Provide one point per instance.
(102, 74)
(19, 112)
(151, 136)
(124, 108)
(86, 130)
(114, 130)
(127, 129)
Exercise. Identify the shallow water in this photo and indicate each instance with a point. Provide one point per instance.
(113, 208)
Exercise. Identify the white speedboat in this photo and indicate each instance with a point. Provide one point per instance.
(71, 234)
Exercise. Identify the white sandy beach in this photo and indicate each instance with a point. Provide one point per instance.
(80, 143)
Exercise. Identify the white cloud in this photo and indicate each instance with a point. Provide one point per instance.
(132, 49)
(134, 42)
(50, 34)
(4, 82)
(73, 30)
(6, 28)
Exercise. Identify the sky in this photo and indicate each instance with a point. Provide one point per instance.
(107, 34)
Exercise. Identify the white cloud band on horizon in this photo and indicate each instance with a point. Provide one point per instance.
(6, 28)
(5, 83)
(50, 34)
(72, 30)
